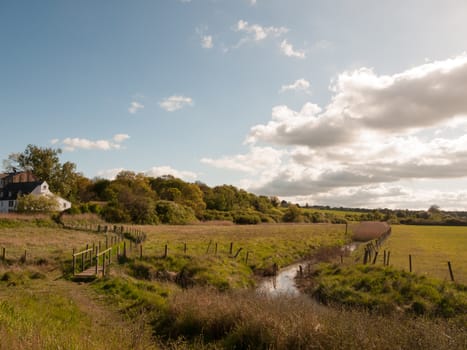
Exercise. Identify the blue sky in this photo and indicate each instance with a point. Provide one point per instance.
(354, 103)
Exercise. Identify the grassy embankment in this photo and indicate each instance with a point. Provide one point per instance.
(41, 310)
(56, 313)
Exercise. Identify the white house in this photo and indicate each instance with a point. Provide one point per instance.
(10, 190)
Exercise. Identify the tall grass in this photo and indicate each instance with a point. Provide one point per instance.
(244, 320)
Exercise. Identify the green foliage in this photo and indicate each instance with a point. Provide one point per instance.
(173, 213)
(387, 290)
(247, 219)
(45, 164)
(293, 214)
(30, 203)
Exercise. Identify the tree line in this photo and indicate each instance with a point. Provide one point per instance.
(140, 199)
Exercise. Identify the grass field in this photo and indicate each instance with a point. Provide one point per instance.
(134, 309)
(431, 248)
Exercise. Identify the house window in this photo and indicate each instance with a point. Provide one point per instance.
(11, 204)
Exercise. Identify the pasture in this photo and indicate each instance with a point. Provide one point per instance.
(431, 248)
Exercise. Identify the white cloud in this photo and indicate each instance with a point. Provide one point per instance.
(155, 171)
(167, 170)
(206, 42)
(253, 2)
(54, 141)
(298, 85)
(72, 144)
(174, 103)
(135, 106)
(288, 50)
(257, 159)
(377, 136)
(256, 32)
(120, 137)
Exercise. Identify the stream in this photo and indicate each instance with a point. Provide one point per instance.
(284, 282)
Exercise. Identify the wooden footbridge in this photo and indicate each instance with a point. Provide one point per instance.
(93, 261)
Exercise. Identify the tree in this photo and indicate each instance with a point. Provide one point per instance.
(45, 164)
(30, 203)
(293, 214)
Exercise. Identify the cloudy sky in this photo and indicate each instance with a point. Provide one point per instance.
(345, 103)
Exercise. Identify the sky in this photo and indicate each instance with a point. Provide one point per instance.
(355, 103)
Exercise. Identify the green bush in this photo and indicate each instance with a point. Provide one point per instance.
(247, 219)
(173, 213)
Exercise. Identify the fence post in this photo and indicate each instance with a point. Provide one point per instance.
(231, 248)
(384, 259)
(450, 271)
(184, 248)
(376, 256)
(124, 249)
(246, 257)
(25, 256)
(387, 258)
(97, 260)
(410, 262)
(74, 261)
(141, 251)
(3, 253)
(215, 250)
(166, 251)
(209, 246)
(82, 262)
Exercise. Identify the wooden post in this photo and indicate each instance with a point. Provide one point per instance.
(166, 251)
(25, 255)
(346, 227)
(450, 271)
(74, 261)
(87, 247)
(231, 248)
(238, 252)
(3, 253)
(99, 245)
(124, 249)
(209, 246)
(342, 259)
(301, 270)
(106, 241)
(215, 249)
(103, 264)
(97, 260)
(82, 261)
(387, 258)
(410, 262)
(246, 257)
(384, 258)
(141, 251)
(376, 256)
(184, 248)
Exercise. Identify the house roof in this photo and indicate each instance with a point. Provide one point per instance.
(12, 190)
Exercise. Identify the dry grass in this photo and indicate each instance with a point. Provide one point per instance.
(249, 321)
(43, 244)
(369, 230)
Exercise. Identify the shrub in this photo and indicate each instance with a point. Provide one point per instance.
(173, 213)
(247, 219)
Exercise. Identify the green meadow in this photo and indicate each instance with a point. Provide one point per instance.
(140, 305)
(431, 247)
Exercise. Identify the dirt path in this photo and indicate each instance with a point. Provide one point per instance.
(105, 318)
